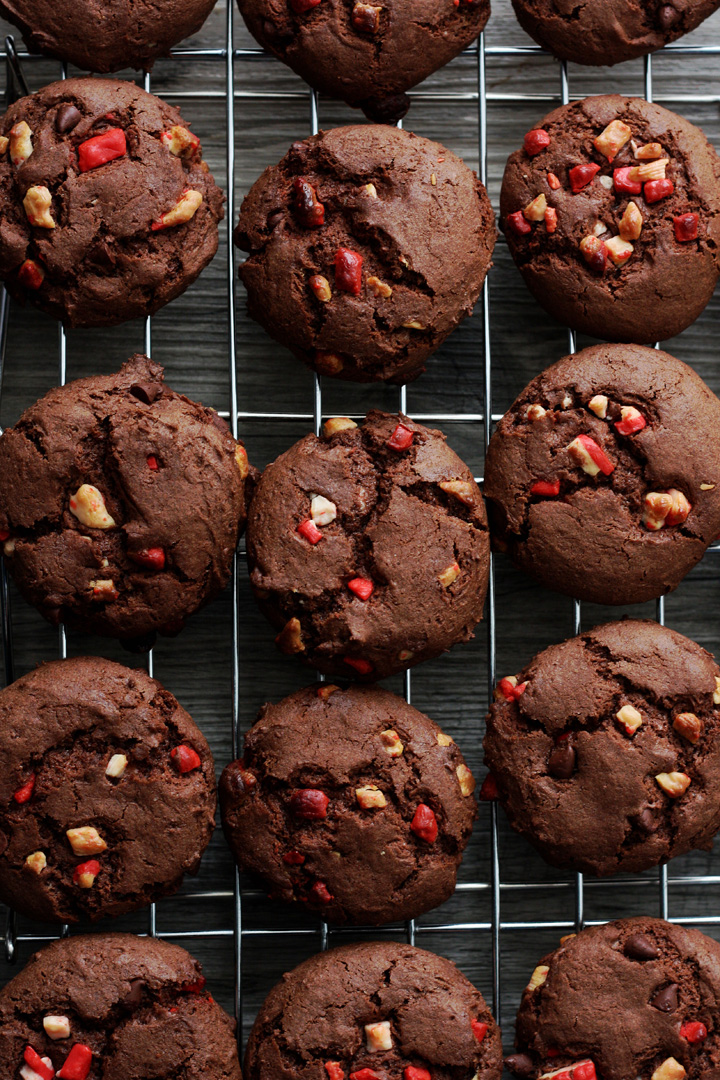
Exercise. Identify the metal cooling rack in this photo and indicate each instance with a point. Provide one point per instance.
(229, 57)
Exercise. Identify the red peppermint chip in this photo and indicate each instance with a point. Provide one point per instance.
(152, 462)
(334, 1070)
(309, 531)
(401, 438)
(364, 1074)
(412, 1072)
(293, 858)
(424, 824)
(362, 587)
(77, 1064)
(694, 1031)
(655, 190)
(309, 803)
(585, 1070)
(518, 223)
(545, 487)
(102, 148)
(194, 987)
(535, 141)
(488, 789)
(581, 176)
(320, 893)
(309, 210)
(150, 558)
(348, 271)
(479, 1029)
(623, 184)
(22, 795)
(686, 227)
(31, 275)
(185, 758)
(632, 421)
(363, 667)
(36, 1063)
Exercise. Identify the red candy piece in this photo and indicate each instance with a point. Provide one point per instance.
(334, 1070)
(320, 893)
(694, 1031)
(363, 667)
(686, 227)
(424, 824)
(22, 795)
(401, 438)
(309, 530)
(30, 275)
(37, 1064)
(310, 211)
(535, 141)
(309, 803)
(152, 558)
(597, 454)
(631, 424)
(545, 487)
(364, 1074)
(301, 6)
(362, 587)
(4, 535)
(584, 1071)
(518, 223)
(101, 149)
(509, 690)
(413, 1073)
(623, 185)
(552, 1051)
(185, 758)
(77, 1063)
(293, 858)
(92, 866)
(488, 788)
(655, 190)
(348, 271)
(194, 987)
(479, 1029)
(581, 176)
(152, 462)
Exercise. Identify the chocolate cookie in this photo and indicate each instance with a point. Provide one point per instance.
(367, 55)
(603, 477)
(612, 214)
(351, 802)
(620, 726)
(120, 503)
(107, 791)
(604, 32)
(97, 37)
(637, 997)
(116, 1006)
(368, 547)
(368, 245)
(109, 211)
(374, 1006)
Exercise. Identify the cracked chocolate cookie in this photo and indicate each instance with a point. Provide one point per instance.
(102, 38)
(109, 211)
(117, 1006)
(603, 477)
(604, 32)
(374, 1010)
(368, 245)
(352, 803)
(368, 547)
(107, 791)
(367, 55)
(655, 984)
(612, 213)
(619, 725)
(121, 503)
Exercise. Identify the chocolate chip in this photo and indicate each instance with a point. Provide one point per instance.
(274, 219)
(646, 821)
(66, 118)
(561, 763)
(387, 110)
(668, 16)
(520, 1064)
(666, 1000)
(134, 996)
(639, 947)
(146, 391)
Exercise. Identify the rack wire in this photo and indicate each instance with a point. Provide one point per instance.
(229, 57)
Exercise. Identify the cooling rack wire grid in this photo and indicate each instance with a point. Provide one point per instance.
(230, 59)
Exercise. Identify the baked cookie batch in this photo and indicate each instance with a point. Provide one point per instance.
(369, 552)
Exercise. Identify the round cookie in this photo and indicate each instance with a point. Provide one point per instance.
(367, 246)
(106, 38)
(368, 547)
(655, 984)
(633, 530)
(117, 1006)
(351, 802)
(109, 210)
(621, 255)
(374, 1006)
(368, 56)
(121, 503)
(619, 726)
(604, 32)
(107, 791)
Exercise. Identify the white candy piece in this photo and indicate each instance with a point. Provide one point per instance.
(88, 506)
(116, 766)
(56, 1027)
(322, 511)
(378, 1036)
(28, 1073)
